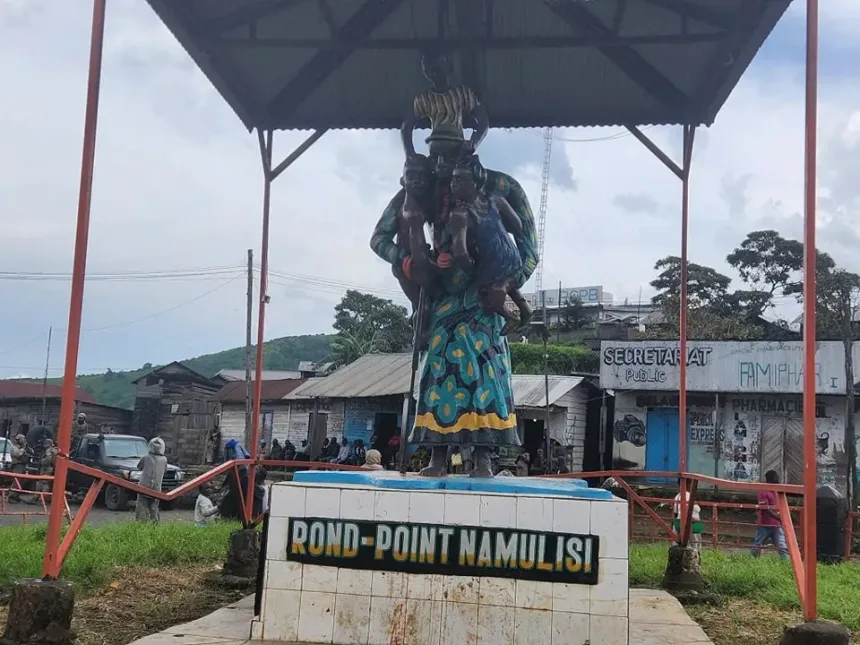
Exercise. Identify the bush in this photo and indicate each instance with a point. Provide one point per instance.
(562, 359)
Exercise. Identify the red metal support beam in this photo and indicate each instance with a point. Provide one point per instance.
(810, 482)
(52, 561)
(793, 549)
(266, 143)
(78, 522)
(689, 134)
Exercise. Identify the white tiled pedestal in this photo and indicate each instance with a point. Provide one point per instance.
(316, 604)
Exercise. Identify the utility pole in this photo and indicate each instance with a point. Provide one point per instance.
(847, 311)
(248, 325)
(558, 320)
(44, 421)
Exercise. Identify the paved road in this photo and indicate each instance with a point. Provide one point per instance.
(97, 516)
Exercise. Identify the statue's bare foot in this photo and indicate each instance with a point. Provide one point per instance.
(483, 465)
(438, 466)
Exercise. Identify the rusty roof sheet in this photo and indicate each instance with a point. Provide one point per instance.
(33, 390)
(234, 392)
(298, 64)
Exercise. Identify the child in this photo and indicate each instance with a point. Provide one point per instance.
(769, 524)
(696, 529)
(204, 510)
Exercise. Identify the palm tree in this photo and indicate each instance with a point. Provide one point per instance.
(347, 347)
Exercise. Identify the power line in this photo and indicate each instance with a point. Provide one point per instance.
(166, 311)
(27, 344)
(123, 276)
(611, 137)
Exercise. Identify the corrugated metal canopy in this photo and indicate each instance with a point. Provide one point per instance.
(389, 375)
(530, 391)
(371, 375)
(302, 64)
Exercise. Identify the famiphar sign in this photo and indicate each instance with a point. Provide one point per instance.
(765, 367)
(442, 549)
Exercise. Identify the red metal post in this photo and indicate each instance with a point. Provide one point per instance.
(266, 152)
(809, 301)
(682, 322)
(52, 563)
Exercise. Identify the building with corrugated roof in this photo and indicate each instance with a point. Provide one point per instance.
(368, 398)
(275, 410)
(23, 404)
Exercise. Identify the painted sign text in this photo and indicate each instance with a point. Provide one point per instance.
(449, 550)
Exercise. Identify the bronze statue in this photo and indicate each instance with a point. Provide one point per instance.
(447, 108)
(484, 223)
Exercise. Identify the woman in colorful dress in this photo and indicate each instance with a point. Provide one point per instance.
(465, 395)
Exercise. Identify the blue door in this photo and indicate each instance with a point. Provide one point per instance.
(661, 444)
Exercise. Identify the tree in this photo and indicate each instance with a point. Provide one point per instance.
(572, 315)
(705, 286)
(703, 323)
(364, 317)
(768, 262)
(347, 347)
(838, 303)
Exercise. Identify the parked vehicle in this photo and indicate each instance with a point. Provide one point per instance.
(5, 454)
(117, 454)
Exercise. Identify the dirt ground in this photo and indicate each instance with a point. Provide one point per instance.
(143, 601)
(743, 621)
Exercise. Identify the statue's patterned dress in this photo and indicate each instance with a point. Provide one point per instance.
(465, 394)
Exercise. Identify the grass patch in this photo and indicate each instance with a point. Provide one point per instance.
(766, 580)
(99, 552)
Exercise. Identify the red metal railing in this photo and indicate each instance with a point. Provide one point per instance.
(12, 484)
(57, 550)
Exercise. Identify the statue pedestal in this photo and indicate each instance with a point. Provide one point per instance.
(374, 558)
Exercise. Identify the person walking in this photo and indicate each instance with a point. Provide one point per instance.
(769, 527)
(152, 467)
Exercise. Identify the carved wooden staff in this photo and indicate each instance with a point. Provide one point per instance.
(417, 333)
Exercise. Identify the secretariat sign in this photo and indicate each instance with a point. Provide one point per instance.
(765, 367)
(449, 550)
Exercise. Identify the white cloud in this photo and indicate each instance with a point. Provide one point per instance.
(178, 186)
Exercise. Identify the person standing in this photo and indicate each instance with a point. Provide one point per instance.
(152, 467)
(46, 465)
(696, 529)
(769, 527)
(20, 454)
(204, 510)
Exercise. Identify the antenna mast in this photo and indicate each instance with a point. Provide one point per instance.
(544, 192)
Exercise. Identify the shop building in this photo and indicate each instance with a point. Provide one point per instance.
(745, 409)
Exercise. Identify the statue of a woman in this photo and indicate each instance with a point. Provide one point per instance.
(465, 395)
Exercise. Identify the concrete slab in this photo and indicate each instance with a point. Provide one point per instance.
(656, 618)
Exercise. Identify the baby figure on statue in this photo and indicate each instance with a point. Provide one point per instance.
(482, 224)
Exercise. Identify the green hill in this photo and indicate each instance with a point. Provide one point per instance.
(115, 388)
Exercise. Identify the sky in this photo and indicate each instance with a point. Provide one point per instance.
(177, 193)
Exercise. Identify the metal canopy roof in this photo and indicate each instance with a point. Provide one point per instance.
(302, 64)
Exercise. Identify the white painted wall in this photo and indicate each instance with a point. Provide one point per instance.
(304, 603)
